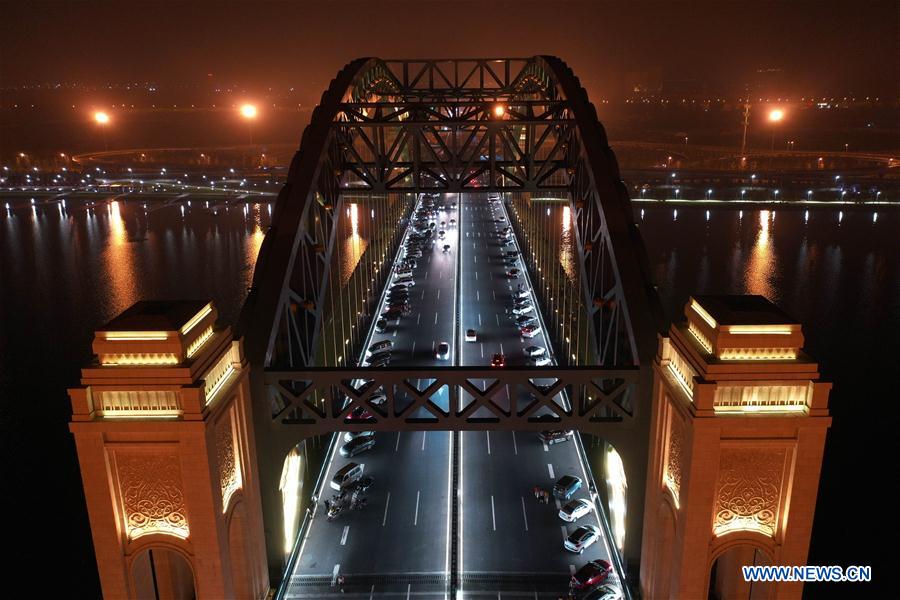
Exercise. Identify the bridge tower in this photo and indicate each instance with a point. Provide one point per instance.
(163, 428)
(739, 419)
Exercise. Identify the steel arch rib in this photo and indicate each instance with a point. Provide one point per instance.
(262, 310)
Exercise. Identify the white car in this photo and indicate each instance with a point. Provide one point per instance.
(572, 511)
(539, 361)
(493, 197)
(520, 294)
(530, 331)
(521, 310)
(582, 538)
(352, 435)
(443, 351)
(471, 335)
(535, 351)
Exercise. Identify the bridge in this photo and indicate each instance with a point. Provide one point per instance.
(533, 312)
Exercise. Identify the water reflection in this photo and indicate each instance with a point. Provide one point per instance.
(567, 246)
(354, 245)
(119, 261)
(762, 263)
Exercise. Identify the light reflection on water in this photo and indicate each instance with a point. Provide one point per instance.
(762, 264)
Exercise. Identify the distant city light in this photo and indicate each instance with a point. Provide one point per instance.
(776, 114)
(499, 110)
(101, 117)
(248, 111)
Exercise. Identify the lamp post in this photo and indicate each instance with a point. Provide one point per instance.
(248, 111)
(102, 119)
(775, 116)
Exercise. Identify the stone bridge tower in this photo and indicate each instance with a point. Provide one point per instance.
(737, 434)
(163, 428)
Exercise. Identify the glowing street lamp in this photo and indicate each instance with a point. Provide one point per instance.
(249, 113)
(708, 193)
(102, 119)
(775, 116)
(808, 195)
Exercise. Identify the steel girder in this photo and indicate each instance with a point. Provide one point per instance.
(321, 400)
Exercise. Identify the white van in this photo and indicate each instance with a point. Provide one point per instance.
(349, 473)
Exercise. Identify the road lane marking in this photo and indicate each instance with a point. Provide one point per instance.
(515, 447)
(423, 439)
(571, 569)
(524, 515)
(550, 468)
(488, 435)
(546, 448)
(413, 352)
(476, 258)
(395, 333)
(479, 319)
(482, 350)
(435, 318)
(408, 587)
(426, 274)
(416, 517)
(418, 318)
(372, 592)
(344, 536)
(493, 516)
(386, 504)
(476, 275)
(334, 574)
(439, 294)
(478, 295)
(501, 347)
(494, 292)
(397, 445)
(498, 319)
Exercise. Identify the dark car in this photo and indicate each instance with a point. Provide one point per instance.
(525, 321)
(382, 345)
(558, 436)
(385, 354)
(498, 360)
(381, 325)
(360, 414)
(358, 445)
(591, 574)
(566, 486)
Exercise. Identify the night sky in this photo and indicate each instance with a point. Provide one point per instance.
(838, 47)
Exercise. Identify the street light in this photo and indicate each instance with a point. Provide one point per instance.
(808, 195)
(775, 116)
(248, 111)
(499, 110)
(708, 192)
(102, 119)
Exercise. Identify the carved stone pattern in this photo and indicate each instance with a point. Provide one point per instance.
(749, 489)
(674, 454)
(152, 494)
(229, 477)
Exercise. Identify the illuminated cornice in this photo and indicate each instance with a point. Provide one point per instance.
(135, 336)
(143, 360)
(758, 354)
(701, 339)
(196, 344)
(703, 314)
(196, 319)
(760, 329)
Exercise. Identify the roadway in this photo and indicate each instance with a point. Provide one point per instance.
(398, 546)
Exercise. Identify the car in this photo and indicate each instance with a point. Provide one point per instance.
(520, 294)
(494, 197)
(582, 538)
(410, 263)
(360, 414)
(402, 272)
(535, 351)
(501, 218)
(574, 510)
(443, 223)
(415, 254)
(555, 436)
(381, 325)
(351, 435)
(510, 261)
(592, 574)
(525, 321)
(378, 398)
(604, 592)
(530, 331)
(379, 356)
(358, 445)
(471, 335)
(398, 288)
(381, 362)
(507, 242)
(394, 298)
(443, 351)
(521, 310)
(442, 233)
(446, 248)
(513, 273)
(539, 361)
(407, 281)
(394, 313)
(382, 345)
(505, 229)
(566, 486)
(521, 301)
(498, 360)
(512, 253)
(452, 222)
(404, 307)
